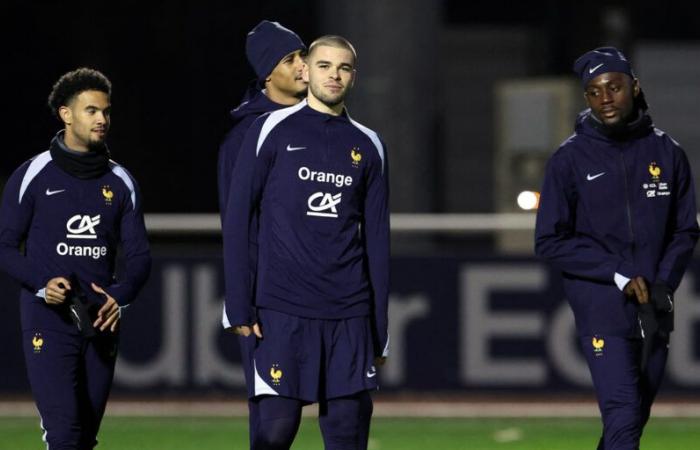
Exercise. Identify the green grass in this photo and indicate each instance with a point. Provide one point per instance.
(387, 434)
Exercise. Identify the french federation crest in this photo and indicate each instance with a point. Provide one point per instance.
(598, 345)
(276, 374)
(107, 194)
(37, 342)
(356, 157)
(655, 172)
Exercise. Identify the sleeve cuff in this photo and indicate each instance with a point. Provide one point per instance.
(621, 281)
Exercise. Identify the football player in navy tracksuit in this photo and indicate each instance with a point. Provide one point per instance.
(617, 216)
(319, 182)
(275, 53)
(63, 214)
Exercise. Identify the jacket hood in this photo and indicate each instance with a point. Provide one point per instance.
(255, 103)
(587, 124)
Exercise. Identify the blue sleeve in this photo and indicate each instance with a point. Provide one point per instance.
(684, 226)
(228, 152)
(556, 237)
(15, 220)
(135, 250)
(247, 182)
(377, 248)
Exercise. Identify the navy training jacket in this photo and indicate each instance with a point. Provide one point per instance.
(320, 185)
(254, 104)
(609, 207)
(70, 226)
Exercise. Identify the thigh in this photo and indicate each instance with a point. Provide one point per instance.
(279, 422)
(349, 357)
(53, 363)
(614, 365)
(98, 372)
(286, 361)
(653, 376)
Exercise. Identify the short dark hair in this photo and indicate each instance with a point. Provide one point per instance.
(331, 40)
(73, 83)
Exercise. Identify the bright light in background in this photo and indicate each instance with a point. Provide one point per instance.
(528, 200)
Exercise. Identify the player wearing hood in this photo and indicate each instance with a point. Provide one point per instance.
(617, 216)
(275, 53)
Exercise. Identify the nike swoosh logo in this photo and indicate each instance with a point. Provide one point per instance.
(371, 374)
(590, 177)
(593, 69)
(50, 192)
(293, 149)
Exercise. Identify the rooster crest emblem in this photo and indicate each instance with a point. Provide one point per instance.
(356, 156)
(37, 342)
(598, 344)
(655, 171)
(107, 194)
(276, 374)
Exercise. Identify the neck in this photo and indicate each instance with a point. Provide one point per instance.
(319, 106)
(280, 97)
(72, 143)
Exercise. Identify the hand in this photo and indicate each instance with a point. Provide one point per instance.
(661, 297)
(245, 330)
(379, 361)
(55, 291)
(637, 288)
(109, 314)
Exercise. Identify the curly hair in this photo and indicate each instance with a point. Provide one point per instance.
(73, 83)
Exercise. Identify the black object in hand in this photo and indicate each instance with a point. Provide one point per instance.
(79, 309)
(661, 296)
(650, 330)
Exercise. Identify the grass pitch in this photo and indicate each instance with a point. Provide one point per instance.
(200, 433)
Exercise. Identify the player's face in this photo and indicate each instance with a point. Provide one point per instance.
(611, 97)
(330, 72)
(87, 119)
(286, 77)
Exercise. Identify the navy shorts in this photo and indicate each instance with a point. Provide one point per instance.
(313, 359)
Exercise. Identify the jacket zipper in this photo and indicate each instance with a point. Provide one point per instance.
(627, 201)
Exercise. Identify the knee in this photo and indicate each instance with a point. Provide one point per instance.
(276, 434)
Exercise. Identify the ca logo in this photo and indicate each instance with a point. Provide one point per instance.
(85, 229)
(325, 207)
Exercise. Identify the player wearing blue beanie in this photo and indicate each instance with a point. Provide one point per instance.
(275, 53)
(617, 216)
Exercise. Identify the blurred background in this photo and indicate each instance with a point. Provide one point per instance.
(471, 99)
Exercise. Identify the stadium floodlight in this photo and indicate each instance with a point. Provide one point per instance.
(528, 200)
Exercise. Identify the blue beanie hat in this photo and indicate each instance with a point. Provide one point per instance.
(601, 60)
(267, 44)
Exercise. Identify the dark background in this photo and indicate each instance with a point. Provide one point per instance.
(178, 67)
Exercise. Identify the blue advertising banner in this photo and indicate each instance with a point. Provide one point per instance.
(468, 324)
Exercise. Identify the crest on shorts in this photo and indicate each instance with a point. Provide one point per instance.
(356, 157)
(37, 342)
(598, 345)
(107, 194)
(276, 374)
